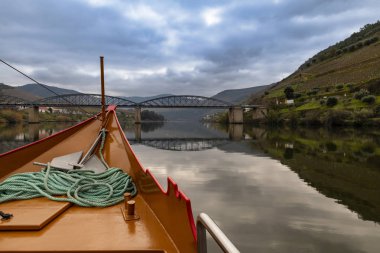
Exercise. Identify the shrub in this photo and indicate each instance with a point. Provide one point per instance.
(151, 115)
(361, 93)
(361, 117)
(288, 153)
(297, 95)
(322, 101)
(11, 116)
(331, 146)
(273, 118)
(377, 110)
(331, 101)
(289, 92)
(339, 86)
(370, 99)
(312, 118)
(374, 87)
(301, 100)
(63, 118)
(368, 148)
(336, 117)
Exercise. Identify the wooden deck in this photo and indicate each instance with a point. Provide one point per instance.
(165, 224)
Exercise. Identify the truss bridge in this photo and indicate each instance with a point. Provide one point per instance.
(94, 100)
(182, 144)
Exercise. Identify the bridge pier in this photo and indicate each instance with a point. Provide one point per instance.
(138, 133)
(34, 132)
(259, 113)
(235, 132)
(138, 115)
(33, 115)
(235, 115)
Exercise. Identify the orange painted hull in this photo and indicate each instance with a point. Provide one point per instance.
(166, 222)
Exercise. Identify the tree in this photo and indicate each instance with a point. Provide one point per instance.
(370, 99)
(331, 101)
(289, 92)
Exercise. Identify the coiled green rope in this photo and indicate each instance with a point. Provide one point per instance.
(81, 187)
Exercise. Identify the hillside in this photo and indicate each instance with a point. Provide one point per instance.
(141, 99)
(237, 96)
(16, 92)
(343, 79)
(354, 61)
(39, 91)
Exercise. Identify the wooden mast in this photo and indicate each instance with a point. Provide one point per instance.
(102, 85)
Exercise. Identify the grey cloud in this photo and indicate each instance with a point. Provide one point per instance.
(255, 43)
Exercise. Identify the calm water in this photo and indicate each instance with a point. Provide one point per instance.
(270, 190)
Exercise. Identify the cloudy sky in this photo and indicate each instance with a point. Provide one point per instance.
(178, 47)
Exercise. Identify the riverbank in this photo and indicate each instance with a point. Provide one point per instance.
(10, 116)
(330, 118)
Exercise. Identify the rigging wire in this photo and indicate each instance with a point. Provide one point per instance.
(42, 85)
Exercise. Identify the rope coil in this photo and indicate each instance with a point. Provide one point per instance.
(81, 187)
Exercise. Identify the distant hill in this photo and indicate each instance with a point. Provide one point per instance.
(16, 92)
(39, 91)
(237, 96)
(141, 99)
(353, 63)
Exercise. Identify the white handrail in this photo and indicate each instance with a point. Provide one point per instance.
(204, 222)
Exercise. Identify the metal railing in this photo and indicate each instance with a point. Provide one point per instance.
(204, 222)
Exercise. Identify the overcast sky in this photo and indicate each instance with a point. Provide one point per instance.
(177, 47)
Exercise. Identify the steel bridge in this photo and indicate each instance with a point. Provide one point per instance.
(94, 100)
(181, 144)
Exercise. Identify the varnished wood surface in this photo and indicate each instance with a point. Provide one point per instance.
(164, 223)
(32, 214)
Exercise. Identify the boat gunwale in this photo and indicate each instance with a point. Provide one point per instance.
(49, 137)
(171, 183)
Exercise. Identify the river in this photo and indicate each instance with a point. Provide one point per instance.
(270, 190)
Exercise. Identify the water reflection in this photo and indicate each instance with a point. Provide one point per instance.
(264, 190)
(343, 164)
(270, 190)
(17, 135)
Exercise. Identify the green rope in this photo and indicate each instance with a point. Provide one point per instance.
(103, 133)
(81, 187)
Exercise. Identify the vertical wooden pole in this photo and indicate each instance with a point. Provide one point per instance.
(102, 82)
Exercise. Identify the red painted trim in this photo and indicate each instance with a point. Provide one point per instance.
(111, 108)
(48, 137)
(178, 193)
